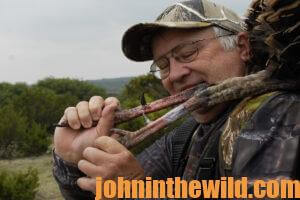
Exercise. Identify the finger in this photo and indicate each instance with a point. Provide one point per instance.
(111, 100)
(107, 120)
(72, 118)
(88, 184)
(96, 156)
(90, 169)
(96, 104)
(84, 114)
(64, 118)
(109, 145)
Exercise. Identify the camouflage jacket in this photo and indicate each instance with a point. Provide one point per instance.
(266, 147)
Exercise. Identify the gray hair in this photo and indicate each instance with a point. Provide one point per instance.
(228, 42)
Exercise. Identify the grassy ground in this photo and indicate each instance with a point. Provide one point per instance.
(48, 188)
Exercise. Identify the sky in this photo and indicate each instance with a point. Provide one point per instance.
(74, 38)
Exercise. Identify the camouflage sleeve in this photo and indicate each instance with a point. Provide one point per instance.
(66, 175)
(269, 146)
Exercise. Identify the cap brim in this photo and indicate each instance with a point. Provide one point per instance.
(136, 42)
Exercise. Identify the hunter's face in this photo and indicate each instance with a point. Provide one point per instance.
(212, 64)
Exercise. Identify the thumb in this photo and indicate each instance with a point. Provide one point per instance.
(109, 145)
(108, 115)
(88, 184)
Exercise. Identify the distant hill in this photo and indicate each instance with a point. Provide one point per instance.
(113, 86)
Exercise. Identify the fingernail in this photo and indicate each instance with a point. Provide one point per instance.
(87, 124)
(95, 117)
(109, 100)
(75, 125)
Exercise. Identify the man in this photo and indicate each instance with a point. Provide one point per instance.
(190, 43)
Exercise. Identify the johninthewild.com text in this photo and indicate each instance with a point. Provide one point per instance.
(225, 187)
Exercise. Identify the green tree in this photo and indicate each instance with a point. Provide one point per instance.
(18, 137)
(147, 84)
(28, 112)
(13, 127)
(130, 97)
(9, 91)
(83, 90)
(42, 105)
(35, 141)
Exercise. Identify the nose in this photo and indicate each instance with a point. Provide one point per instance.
(177, 70)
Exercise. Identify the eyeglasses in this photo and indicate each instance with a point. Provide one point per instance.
(183, 53)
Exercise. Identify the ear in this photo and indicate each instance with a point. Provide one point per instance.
(243, 46)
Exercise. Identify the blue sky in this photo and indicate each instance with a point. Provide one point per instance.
(74, 38)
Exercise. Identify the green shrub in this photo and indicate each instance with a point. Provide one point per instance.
(13, 127)
(35, 141)
(18, 137)
(18, 185)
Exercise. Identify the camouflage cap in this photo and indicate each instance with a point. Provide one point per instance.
(136, 42)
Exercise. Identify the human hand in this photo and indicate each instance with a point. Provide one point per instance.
(70, 142)
(108, 159)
